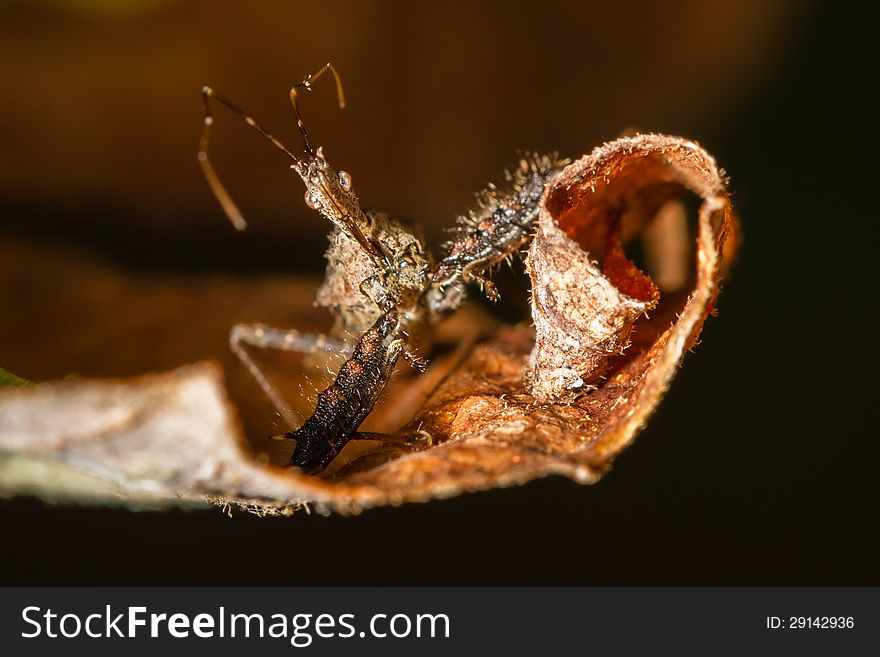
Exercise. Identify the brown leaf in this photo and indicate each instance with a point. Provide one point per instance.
(581, 317)
(498, 413)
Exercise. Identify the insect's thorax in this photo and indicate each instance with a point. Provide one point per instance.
(355, 290)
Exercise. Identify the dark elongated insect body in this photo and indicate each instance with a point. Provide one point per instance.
(380, 280)
(350, 398)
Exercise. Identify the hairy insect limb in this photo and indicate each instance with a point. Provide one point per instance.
(499, 227)
(267, 337)
(416, 362)
(350, 398)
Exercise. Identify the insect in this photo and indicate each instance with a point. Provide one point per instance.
(382, 282)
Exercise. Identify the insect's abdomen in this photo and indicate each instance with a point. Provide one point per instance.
(350, 398)
(500, 226)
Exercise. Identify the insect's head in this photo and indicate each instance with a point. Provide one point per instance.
(331, 193)
(328, 191)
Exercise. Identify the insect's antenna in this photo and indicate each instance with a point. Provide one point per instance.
(307, 85)
(229, 207)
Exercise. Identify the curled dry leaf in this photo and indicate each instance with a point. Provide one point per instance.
(581, 317)
(564, 398)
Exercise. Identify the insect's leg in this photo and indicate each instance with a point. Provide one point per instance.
(417, 438)
(416, 362)
(266, 337)
(488, 287)
(350, 398)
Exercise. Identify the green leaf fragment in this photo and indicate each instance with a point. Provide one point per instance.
(9, 379)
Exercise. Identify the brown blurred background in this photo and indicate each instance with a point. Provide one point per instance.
(101, 112)
(115, 259)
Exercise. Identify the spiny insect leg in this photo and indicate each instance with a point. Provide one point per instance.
(350, 398)
(487, 286)
(266, 337)
(417, 362)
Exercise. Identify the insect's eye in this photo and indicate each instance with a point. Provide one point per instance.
(345, 180)
(312, 200)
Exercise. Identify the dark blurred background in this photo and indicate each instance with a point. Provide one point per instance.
(759, 466)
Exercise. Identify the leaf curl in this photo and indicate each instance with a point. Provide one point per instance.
(564, 398)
